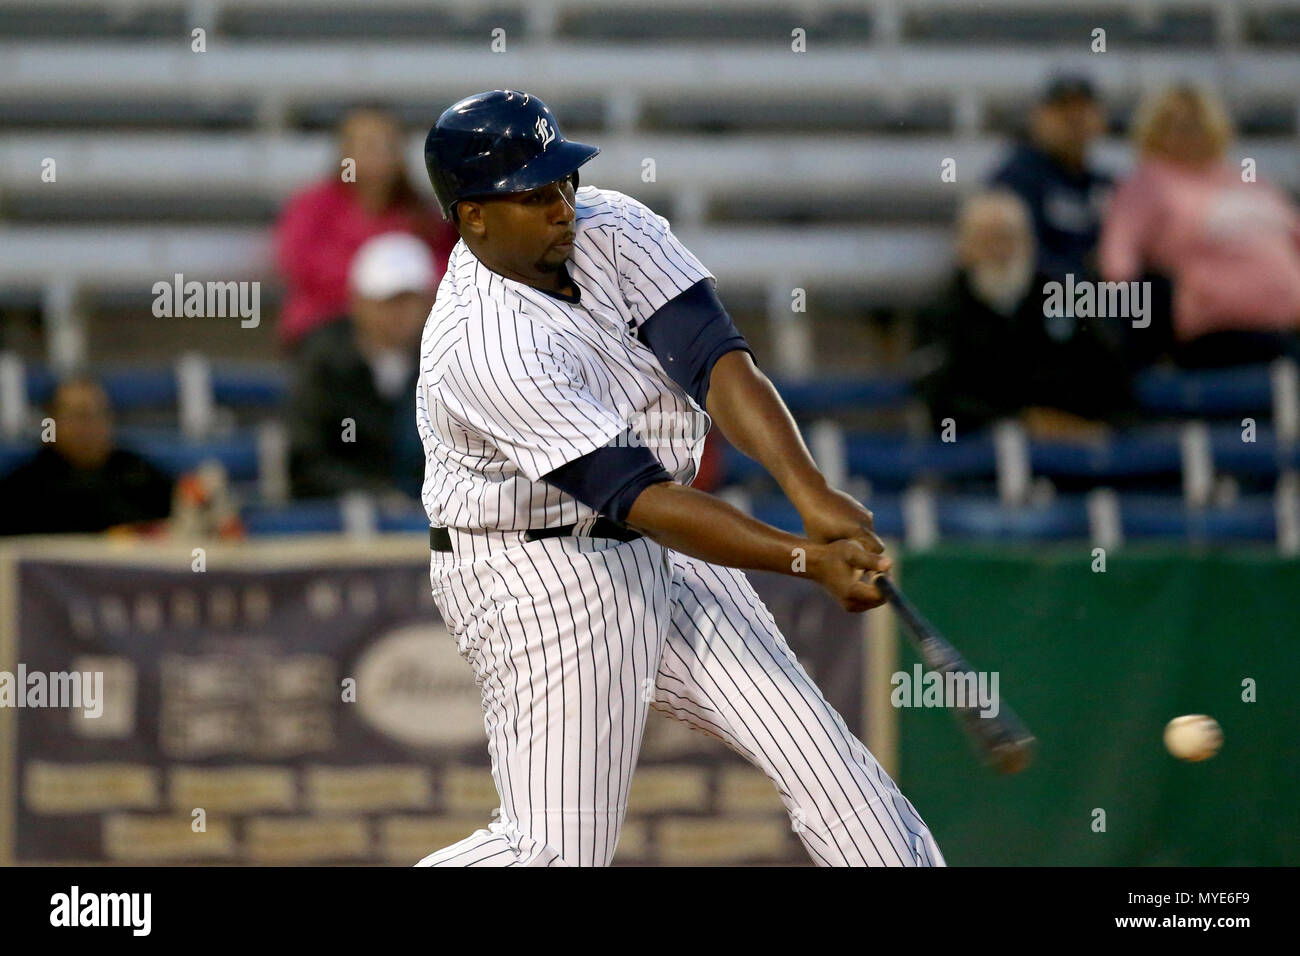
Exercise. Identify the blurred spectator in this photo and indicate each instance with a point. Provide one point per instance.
(1231, 248)
(321, 228)
(987, 349)
(79, 482)
(363, 369)
(1051, 173)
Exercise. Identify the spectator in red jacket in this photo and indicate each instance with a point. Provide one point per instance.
(322, 227)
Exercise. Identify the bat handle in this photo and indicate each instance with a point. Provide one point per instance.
(886, 588)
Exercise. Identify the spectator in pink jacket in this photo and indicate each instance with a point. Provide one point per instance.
(1230, 245)
(322, 227)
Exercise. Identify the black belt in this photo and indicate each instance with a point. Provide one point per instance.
(440, 538)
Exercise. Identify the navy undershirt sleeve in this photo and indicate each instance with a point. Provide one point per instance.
(690, 333)
(610, 478)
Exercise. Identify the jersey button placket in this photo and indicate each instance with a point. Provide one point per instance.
(610, 323)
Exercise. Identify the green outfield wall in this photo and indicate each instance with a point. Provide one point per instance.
(1096, 664)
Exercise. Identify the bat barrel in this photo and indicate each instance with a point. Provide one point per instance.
(1004, 742)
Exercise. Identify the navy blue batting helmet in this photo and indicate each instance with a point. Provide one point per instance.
(502, 141)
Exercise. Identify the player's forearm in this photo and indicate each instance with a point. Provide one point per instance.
(751, 414)
(695, 523)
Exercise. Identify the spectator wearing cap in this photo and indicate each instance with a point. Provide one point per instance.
(1051, 172)
(321, 228)
(1229, 244)
(352, 403)
(81, 482)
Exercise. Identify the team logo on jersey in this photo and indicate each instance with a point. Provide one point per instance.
(545, 132)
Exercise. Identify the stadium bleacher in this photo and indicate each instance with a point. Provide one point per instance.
(779, 170)
(890, 463)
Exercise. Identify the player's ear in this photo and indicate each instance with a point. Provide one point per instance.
(471, 218)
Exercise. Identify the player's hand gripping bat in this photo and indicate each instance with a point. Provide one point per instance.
(1004, 742)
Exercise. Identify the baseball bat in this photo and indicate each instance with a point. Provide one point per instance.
(1004, 742)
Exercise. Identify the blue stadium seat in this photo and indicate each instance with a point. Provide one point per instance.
(891, 461)
(13, 454)
(400, 521)
(888, 513)
(842, 393)
(40, 383)
(128, 388)
(1165, 516)
(319, 516)
(1244, 390)
(170, 451)
(1262, 458)
(959, 516)
(132, 388)
(1063, 518)
(325, 515)
(1241, 390)
(779, 513)
(737, 467)
(234, 384)
(1156, 451)
(166, 449)
(249, 385)
(1139, 453)
(895, 461)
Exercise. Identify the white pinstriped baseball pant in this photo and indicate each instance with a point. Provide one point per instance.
(572, 639)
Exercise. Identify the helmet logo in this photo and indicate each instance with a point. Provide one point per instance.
(544, 131)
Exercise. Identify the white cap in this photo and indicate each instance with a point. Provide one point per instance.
(392, 263)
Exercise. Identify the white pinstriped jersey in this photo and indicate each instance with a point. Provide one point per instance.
(515, 382)
(572, 639)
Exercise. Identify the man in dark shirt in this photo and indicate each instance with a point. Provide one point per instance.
(989, 349)
(352, 407)
(78, 482)
(1051, 173)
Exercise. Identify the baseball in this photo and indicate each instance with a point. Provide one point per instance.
(1193, 737)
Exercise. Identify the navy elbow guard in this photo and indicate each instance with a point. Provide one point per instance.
(689, 334)
(609, 478)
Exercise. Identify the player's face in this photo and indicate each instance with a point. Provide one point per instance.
(526, 234)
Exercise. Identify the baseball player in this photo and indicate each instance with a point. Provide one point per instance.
(582, 577)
